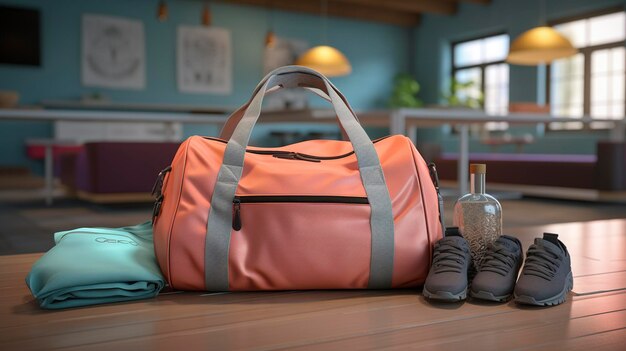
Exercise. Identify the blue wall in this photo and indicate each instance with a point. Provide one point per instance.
(377, 52)
(432, 66)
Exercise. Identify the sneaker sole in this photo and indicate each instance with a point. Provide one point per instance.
(445, 295)
(486, 295)
(551, 301)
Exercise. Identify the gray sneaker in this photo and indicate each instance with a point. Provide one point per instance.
(547, 275)
(447, 279)
(498, 270)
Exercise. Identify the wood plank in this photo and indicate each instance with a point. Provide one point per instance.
(340, 9)
(593, 284)
(518, 336)
(429, 335)
(279, 312)
(13, 259)
(165, 307)
(611, 340)
(363, 326)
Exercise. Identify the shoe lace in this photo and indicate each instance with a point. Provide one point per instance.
(541, 263)
(499, 260)
(448, 257)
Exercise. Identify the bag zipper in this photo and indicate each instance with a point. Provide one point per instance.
(290, 155)
(297, 156)
(435, 178)
(238, 200)
(157, 192)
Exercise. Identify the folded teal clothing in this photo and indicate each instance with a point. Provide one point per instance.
(89, 266)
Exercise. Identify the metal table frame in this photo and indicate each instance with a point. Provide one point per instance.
(406, 121)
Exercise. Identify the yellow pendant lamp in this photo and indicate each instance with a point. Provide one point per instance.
(540, 45)
(327, 60)
(323, 58)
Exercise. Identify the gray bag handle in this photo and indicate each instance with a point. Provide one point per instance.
(220, 216)
(305, 81)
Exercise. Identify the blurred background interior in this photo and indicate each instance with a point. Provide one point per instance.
(96, 96)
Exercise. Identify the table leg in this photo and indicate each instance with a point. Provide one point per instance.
(618, 133)
(413, 134)
(397, 123)
(170, 133)
(48, 174)
(463, 161)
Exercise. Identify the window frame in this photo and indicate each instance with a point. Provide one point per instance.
(482, 66)
(587, 52)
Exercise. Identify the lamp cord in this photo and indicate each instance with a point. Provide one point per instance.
(542, 13)
(271, 16)
(324, 9)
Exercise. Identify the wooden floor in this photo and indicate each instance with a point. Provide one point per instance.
(593, 318)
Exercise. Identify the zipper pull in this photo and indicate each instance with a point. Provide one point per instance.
(156, 209)
(236, 214)
(432, 169)
(435, 178)
(296, 156)
(286, 156)
(158, 184)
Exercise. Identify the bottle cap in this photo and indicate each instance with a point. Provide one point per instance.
(479, 168)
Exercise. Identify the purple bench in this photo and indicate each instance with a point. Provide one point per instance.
(604, 171)
(116, 171)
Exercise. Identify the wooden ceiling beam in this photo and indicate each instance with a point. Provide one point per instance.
(480, 2)
(339, 9)
(414, 6)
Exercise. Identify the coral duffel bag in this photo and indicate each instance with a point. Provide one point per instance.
(319, 214)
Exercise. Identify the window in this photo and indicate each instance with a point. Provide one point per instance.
(481, 61)
(592, 81)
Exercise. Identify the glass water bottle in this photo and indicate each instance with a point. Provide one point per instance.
(478, 215)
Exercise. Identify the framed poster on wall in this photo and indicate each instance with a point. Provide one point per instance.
(113, 52)
(204, 60)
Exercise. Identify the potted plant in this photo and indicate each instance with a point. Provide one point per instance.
(463, 94)
(404, 94)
